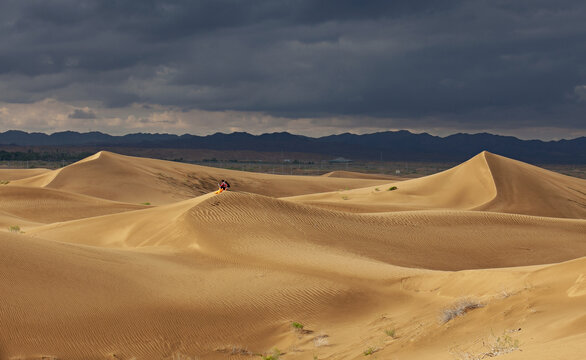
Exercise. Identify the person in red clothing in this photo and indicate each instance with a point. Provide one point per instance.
(224, 185)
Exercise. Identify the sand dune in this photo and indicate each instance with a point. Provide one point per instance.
(265, 230)
(46, 206)
(135, 180)
(486, 182)
(16, 174)
(527, 189)
(357, 175)
(224, 276)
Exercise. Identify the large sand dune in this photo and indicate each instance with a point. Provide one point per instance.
(486, 182)
(224, 276)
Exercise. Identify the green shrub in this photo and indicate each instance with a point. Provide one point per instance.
(297, 325)
(145, 203)
(393, 188)
(4, 182)
(14, 229)
(391, 332)
(371, 350)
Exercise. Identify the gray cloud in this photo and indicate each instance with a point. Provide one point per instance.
(82, 114)
(454, 64)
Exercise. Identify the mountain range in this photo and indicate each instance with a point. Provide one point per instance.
(388, 146)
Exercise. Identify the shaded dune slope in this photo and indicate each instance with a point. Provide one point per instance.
(16, 174)
(358, 175)
(527, 189)
(40, 205)
(135, 180)
(263, 229)
(486, 182)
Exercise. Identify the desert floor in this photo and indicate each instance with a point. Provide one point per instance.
(118, 257)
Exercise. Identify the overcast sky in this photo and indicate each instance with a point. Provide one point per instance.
(313, 67)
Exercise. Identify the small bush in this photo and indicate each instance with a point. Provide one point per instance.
(145, 203)
(297, 325)
(458, 309)
(321, 340)
(376, 189)
(391, 332)
(4, 182)
(393, 188)
(345, 197)
(14, 229)
(371, 350)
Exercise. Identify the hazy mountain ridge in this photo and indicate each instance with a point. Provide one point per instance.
(390, 145)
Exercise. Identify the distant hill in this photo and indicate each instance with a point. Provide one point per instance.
(389, 145)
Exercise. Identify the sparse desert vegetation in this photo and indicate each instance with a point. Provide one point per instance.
(370, 350)
(297, 326)
(498, 345)
(391, 333)
(459, 308)
(321, 340)
(14, 229)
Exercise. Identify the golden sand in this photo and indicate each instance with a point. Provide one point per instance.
(119, 257)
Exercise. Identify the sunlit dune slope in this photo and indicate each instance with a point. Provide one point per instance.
(101, 302)
(263, 229)
(540, 309)
(486, 182)
(16, 174)
(40, 205)
(135, 180)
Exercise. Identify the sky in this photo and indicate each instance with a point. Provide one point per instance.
(311, 67)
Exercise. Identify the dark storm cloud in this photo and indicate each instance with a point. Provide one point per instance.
(470, 64)
(82, 114)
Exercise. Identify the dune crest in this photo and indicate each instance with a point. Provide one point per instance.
(526, 189)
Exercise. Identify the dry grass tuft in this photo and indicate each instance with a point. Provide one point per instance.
(458, 309)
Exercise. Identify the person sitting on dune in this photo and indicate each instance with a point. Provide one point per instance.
(224, 185)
